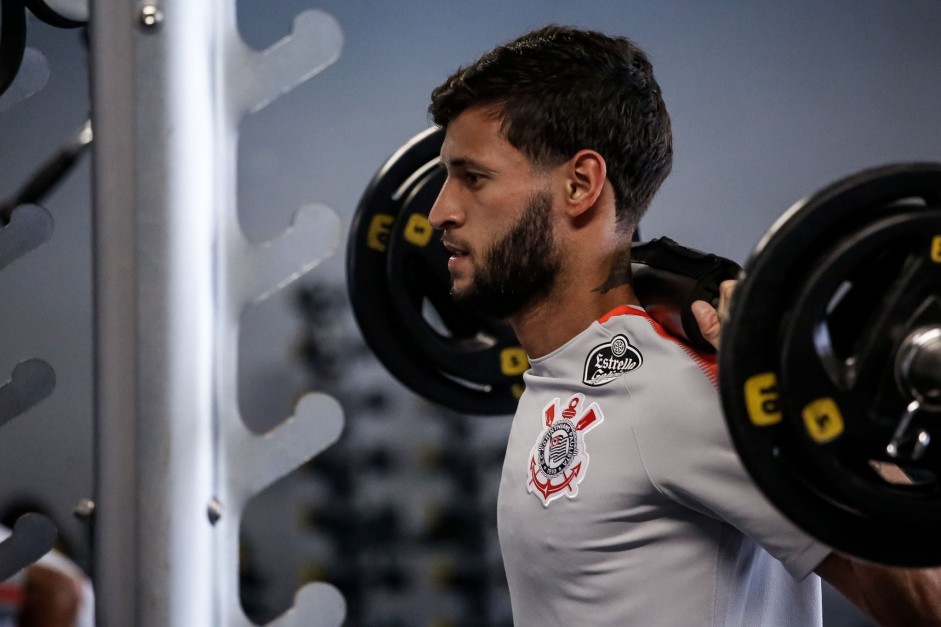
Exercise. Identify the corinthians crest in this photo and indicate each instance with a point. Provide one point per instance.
(558, 461)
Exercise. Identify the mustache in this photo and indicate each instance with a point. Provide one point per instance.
(452, 244)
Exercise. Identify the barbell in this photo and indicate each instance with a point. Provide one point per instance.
(830, 368)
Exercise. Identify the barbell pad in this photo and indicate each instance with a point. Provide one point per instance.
(669, 277)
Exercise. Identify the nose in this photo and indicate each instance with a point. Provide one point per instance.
(445, 213)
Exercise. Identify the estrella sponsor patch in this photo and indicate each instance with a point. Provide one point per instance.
(607, 362)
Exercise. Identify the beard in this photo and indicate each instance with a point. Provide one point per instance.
(518, 269)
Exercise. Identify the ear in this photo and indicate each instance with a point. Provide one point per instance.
(586, 174)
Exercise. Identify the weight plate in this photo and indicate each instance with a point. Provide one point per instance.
(60, 13)
(783, 421)
(835, 390)
(12, 41)
(454, 340)
(393, 340)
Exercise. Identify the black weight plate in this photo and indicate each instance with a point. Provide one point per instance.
(370, 297)
(841, 425)
(456, 341)
(60, 13)
(12, 40)
(750, 377)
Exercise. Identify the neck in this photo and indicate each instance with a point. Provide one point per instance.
(566, 312)
(594, 279)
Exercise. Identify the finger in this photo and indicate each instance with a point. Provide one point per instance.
(726, 288)
(708, 320)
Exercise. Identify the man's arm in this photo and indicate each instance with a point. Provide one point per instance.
(890, 596)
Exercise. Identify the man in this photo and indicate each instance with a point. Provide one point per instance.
(622, 500)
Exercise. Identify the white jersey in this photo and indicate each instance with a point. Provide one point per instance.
(623, 502)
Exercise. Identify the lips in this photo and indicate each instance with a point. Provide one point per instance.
(459, 253)
(455, 249)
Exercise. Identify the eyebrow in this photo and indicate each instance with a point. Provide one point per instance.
(466, 162)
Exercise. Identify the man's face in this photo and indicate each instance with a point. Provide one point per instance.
(519, 268)
(496, 211)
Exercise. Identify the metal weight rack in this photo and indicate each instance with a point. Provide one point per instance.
(26, 228)
(173, 273)
(177, 471)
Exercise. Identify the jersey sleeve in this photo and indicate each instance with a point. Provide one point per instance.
(686, 448)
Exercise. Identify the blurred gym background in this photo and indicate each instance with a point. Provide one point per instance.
(769, 101)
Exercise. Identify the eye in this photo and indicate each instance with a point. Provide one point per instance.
(473, 179)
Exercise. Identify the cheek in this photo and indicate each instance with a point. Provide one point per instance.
(498, 213)
(493, 232)
(496, 210)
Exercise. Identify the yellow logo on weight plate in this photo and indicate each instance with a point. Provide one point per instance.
(823, 420)
(418, 230)
(377, 237)
(761, 399)
(513, 361)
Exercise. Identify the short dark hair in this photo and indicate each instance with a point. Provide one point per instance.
(560, 90)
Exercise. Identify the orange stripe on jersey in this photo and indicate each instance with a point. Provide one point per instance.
(621, 311)
(706, 362)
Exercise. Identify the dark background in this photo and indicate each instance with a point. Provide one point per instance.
(769, 102)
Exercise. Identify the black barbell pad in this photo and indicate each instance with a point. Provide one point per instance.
(669, 277)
